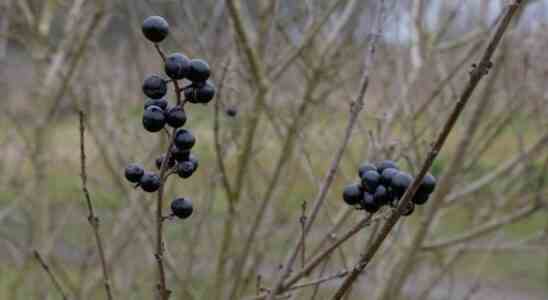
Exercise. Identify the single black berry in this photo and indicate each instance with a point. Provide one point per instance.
(400, 183)
(352, 194)
(408, 209)
(368, 203)
(428, 184)
(177, 66)
(161, 103)
(381, 196)
(155, 87)
(180, 154)
(182, 207)
(184, 139)
(186, 168)
(387, 164)
(387, 175)
(192, 158)
(199, 70)
(160, 160)
(420, 198)
(231, 112)
(370, 181)
(134, 172)
(155, 28)
(150, 182)
(154, 119)
(175, 117)
(364, 167)
(203, 94)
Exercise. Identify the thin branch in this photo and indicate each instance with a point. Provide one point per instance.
(475, 76)
(92, 218)
(52, 277)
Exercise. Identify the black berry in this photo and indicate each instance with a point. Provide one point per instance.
(231, 112)
(155, 29)
(381, 196)
(387, 164)
(420, 198)
(182, 208)
(199, 70)
(161, 103)
(400, 183)
(368, 203)
(364, 167)
(184, 139)
(428, 184)
(155, 87)
(203, 94)
(186, 168)
(150, 182)
(160, 160)
(177, 66)
(175, 117)
(387, 175)
(370, 181)
(352, 194)
(154, 119)
(134, 172)
(180, 154)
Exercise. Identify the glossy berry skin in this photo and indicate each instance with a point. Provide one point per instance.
(155, 87)
(428, 184)
(175, 117)
(364, 167)
(155, 28)
(177, 66)
(381, 196)
(420, 198)
(370, 181)
(408, 210)
(160, 160)
(368, 203)
(154, 119)
(203, 94)
(182, 208)
(199, 70)
(161, 103)
(400, 183)
(231, 112)
(387, 175)
(352, 194)
(179, 154)
(186, 168)
(184, 139)
(134, 172)
(150, 182)
(387, 164)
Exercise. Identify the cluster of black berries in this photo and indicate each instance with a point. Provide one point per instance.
(158, 113)
(384, 184)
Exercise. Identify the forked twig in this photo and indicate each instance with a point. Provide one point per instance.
(478, 72)
(92, 218)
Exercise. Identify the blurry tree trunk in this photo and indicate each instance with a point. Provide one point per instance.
(4, 27)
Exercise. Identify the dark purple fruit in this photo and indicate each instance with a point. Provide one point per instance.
(368, 203)
(134, 172)
(175, 117)
(199, 70)
(177, 66)
(150, 182)
(365, 167)
(387, 164)
(231, 112)
(420, 198)
(154, 119)
(203, 94)
(160, 160)
(370, 181)
(184, 139)
(352, 194)
(400, 183)
(155, 28)
(387, 175)
(161, 103)
(186, 168)
(155, 87)
(182, 208)
(381, 196)
(179, 154)
(428, 184)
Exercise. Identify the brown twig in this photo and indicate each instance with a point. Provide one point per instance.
(92, 218)
(52, 277)
(476, 75)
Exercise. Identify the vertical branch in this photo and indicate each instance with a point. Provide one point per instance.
(475, 76)
(92, 218)
(52, 277)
